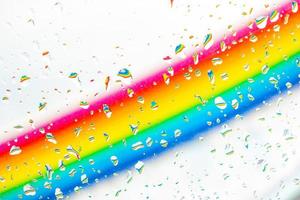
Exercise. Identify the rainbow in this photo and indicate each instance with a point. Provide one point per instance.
(221, 81)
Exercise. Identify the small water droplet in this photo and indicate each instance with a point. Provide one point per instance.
(139, 166)
(15, 150)
(29, 190)
(220, 103)
(84, 179)
(138, 145)
(114, 160)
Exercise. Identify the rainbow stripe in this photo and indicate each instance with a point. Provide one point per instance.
(171, 106)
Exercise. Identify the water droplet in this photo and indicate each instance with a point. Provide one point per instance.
(208, 41)
(166, 78)
(223, 46)
(2, 180)
(225, 176)
(211, 76)
(114, 160)
(253, 38)
(224, 76)
(296, 181)
(24, 78)
(106, 82)
(47, 185)
(5, 98)
(171, 71)
(91, 161)
(124, 73)
(77, 131)
(265, 167)
(216, 61)
(220, 103)
(154, 105)
(138, 145)
(177, 133)
(246, 67)
(139, 166)
(91, 138)
(51, 138)
(84, 179)
(140, 99)
(265, 69)
(72, 151)
(61, 165)
(251, 80)
(106, 135)
(197, 72)
(276, 28)
(179, 48)
(235, 104)
(45, 53)
(76, 189)
(298, 62)
(163, 143)
(261, 22)
(19, 127)
(58, 194)
(84, 104)
(186, 118)
(117, 193)
(72, 172)
(134, 128)
(163, 133)
(73, 75)
(130, 92)
(29, 190)
(287, 134)
(288, 85)
(187, 76)
(225, 130)
(107, 110)
(247, 141)
(149, 142)
(294, 6)
(286, 18)
(251, 97)
(195, 58)
(42, 130)
(15, 150)
(273, 80)
(42, 105)
(49, 171)
(229, 149)
(274, 16)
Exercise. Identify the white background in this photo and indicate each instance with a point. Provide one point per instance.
(96, 38)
